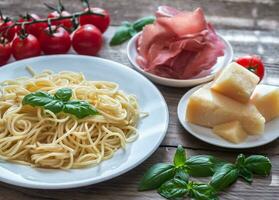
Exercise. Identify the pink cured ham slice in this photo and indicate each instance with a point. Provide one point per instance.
(179, 44)
(184, 22)
(166, 11)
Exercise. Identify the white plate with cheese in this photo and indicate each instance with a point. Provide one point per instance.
(206, 134)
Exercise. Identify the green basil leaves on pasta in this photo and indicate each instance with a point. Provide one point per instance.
(60, 102)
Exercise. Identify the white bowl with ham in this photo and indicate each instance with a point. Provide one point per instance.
(180, 49)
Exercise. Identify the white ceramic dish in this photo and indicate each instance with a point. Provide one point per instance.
(152, 129)
(201, 78)
(205, 134)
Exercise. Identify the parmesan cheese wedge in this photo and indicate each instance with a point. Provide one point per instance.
(231, 131)
(266, 99)
(236, 82)
(209, 108)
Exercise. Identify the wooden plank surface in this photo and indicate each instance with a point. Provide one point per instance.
(252, 26)
(248, 14)
(125, 186)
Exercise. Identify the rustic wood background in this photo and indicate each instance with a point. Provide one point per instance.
(250, 25)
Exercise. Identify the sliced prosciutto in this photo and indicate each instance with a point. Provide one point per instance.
(179, 44)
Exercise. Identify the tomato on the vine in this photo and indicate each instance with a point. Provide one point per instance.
(66, 23)
(8, 33)
(55, 40)
(101, 22)
(34, 29)
(87, 40)
(253, 63)
(5, 51)
(25, 46)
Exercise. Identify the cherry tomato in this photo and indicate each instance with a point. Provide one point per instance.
(25, 47)
(5, 52)
(252, 63)
(9, 34)
(34, 29)
(66, 23)
(101, 22)
(87, 40)
(57, 41)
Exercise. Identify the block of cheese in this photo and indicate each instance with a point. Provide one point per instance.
(236, 82)
(209, 108)
(231, 131)
(266, 99)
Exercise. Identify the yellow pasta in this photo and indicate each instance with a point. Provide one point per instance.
(39, 138)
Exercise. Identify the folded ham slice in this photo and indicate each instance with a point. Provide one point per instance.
(179, 44)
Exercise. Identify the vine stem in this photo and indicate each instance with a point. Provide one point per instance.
(77, 14)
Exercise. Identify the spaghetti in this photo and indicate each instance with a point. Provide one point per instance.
(40, 138)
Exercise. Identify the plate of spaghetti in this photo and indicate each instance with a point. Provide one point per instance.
(68, 121)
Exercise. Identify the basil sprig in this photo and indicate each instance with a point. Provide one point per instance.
(173, 180)
(60, 102)
(128, 30)
(182, 167)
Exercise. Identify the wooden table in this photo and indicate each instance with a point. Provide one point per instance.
(250, 25)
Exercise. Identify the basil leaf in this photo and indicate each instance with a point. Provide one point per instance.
(173, 189)
(179, 157)
(182, 174)
(80, 109)
(201, 191)
(218, 163)
(63, 94)
(43, 99)
(39, 98)
(224, 176)
(132, 32)
(140, 23)
(156, 176)
(240, 160)
(128, 30)
(200, 166)
(246, 174)
(126, 23)
(122, 34)
(258, 164)
(54, 106)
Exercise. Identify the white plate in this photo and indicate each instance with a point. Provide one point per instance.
(205, 134)
(152, 129)
(222, 62)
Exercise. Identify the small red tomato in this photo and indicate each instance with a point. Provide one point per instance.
(66, 23)
(34, 29)
(56, 41)
(9, 34)
(87, 40)
(5, 52)
(101, 22)
(253, 63)
(25, 47)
